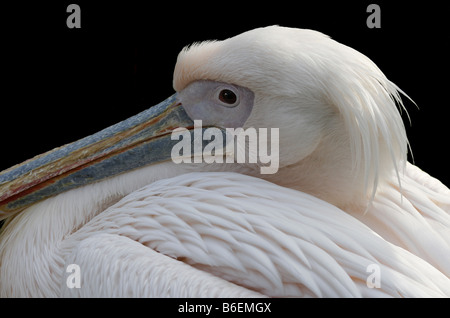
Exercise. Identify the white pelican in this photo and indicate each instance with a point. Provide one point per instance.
(345, 215)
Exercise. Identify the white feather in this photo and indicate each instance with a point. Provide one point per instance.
(286, 243)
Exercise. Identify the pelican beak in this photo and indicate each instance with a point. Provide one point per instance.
(138, 141)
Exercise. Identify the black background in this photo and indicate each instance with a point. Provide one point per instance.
(62, 84)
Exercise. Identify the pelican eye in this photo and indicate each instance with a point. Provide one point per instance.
(228, 97)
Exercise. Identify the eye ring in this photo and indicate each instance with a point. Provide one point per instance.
(228, 97)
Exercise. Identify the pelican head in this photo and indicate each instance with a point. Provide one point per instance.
(340, 133)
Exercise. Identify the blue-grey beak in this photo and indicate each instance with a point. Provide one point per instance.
(138, 141)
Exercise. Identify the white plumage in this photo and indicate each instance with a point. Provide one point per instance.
(343, 200)
(264, 237)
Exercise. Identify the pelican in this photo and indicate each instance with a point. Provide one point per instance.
(344, 215)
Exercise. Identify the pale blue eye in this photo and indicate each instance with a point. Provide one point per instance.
(216, 103)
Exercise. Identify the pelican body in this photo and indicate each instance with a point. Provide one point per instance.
(343, 215)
